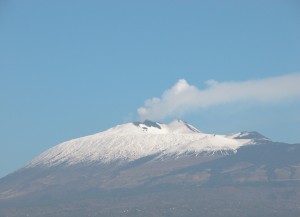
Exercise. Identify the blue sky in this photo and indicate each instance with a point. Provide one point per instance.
(73, 68)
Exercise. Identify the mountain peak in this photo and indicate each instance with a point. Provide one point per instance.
(148, 123)
(253, 135)
(151, 127)
(181, 126)
(132, 141)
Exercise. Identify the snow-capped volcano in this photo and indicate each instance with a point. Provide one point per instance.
(131, 141)
(157, 168)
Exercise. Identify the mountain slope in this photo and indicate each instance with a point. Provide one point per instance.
(131, 141)
(154, 169)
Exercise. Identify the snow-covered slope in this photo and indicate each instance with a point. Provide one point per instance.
(131, 141)
(254, 136)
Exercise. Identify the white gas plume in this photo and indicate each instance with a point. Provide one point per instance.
(183, 97)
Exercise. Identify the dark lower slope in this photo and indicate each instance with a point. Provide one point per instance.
(230, 201)
(259, 180)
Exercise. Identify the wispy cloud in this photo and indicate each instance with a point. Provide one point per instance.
(183, 97)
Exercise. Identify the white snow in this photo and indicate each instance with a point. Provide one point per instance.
(132, 141)
(254, 136)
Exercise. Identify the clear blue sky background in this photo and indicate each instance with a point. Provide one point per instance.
(72, 68)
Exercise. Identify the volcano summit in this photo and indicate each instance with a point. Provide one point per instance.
(132, 141)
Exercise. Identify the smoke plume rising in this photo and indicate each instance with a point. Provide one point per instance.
(183, 97)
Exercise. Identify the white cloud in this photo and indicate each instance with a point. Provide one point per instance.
(183, 97)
